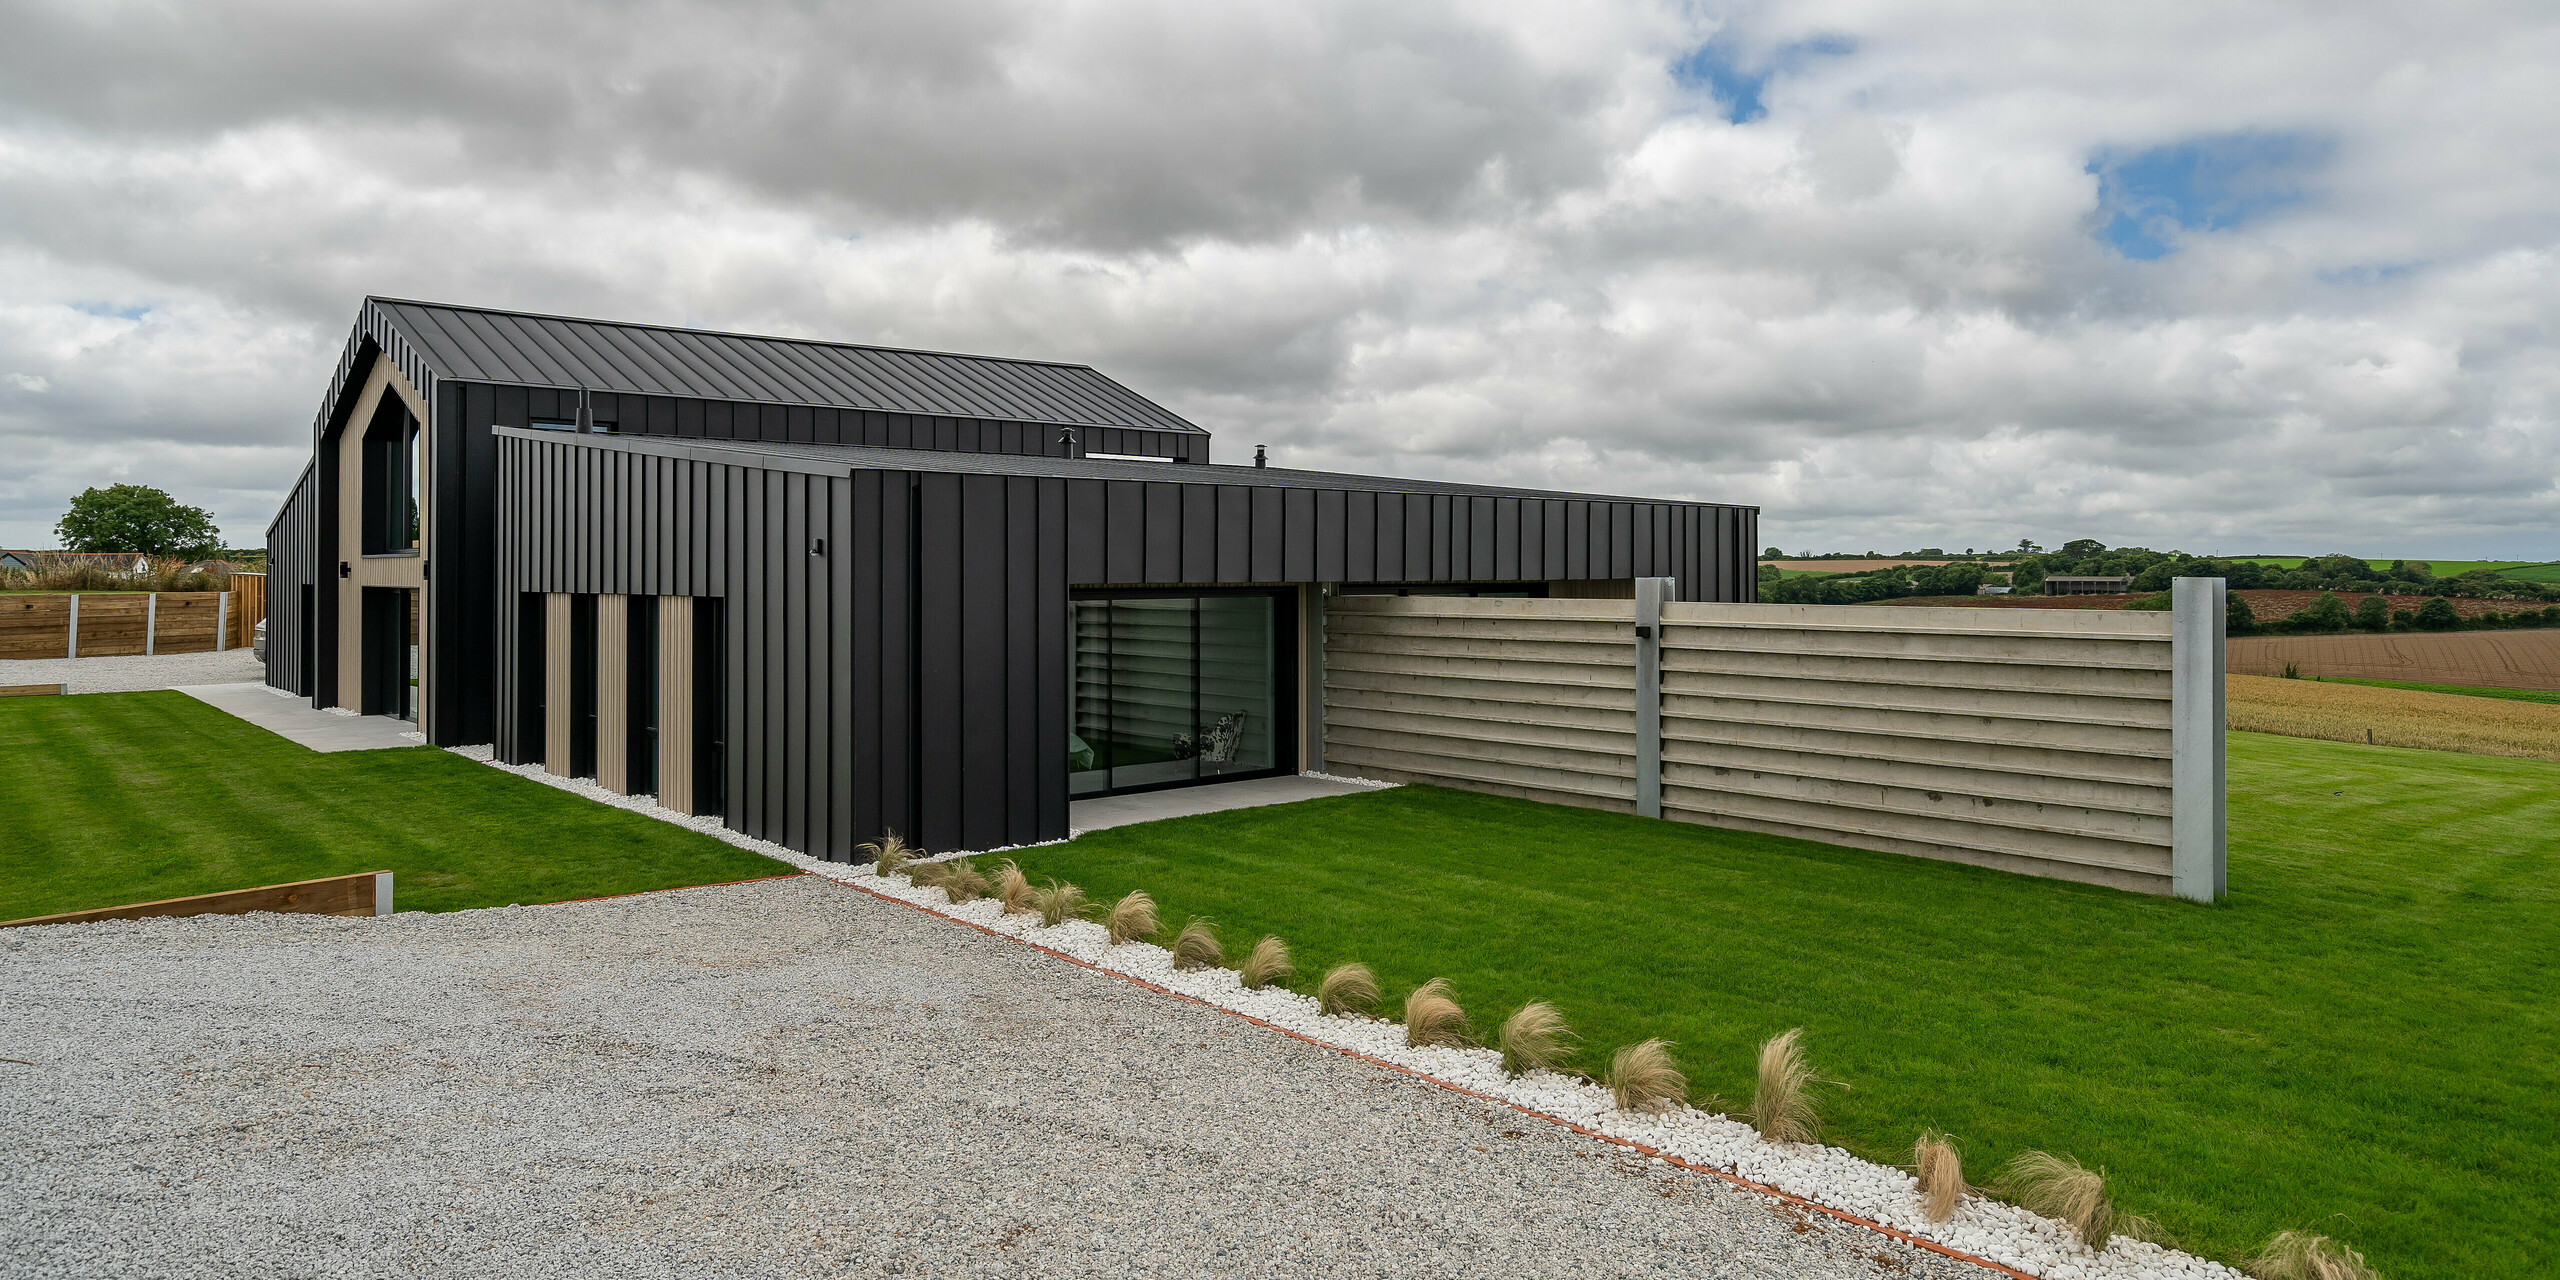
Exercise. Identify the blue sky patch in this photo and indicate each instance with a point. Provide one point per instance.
(2148, 198)
(110, 311)
(1735, 83)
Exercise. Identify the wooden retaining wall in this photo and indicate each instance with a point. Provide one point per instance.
(121, 624)
(2039, 743)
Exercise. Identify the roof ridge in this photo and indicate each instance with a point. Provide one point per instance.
(733, 333)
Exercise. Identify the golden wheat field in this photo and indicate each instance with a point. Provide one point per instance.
(2496, 659)
(2393, 717)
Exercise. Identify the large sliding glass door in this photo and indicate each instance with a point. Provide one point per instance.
(1172, 689)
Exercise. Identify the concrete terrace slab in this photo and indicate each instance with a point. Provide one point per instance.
(297, 721)
(1216, 797)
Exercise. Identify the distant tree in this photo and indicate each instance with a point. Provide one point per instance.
(1773, 554)
(2438, 614)
(2026, 548)
(2237, 617)
(2411, 571)
(2027, 577)
(2083, 548)
(2328, 613)
(1769, 573)
(137, 518)
(2373, 613)
(2339, 568)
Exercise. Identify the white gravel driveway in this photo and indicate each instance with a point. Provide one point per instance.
(778, 1079)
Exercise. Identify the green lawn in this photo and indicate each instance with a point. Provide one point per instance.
(2472, 691)
(2359, 1041)
(111, 798)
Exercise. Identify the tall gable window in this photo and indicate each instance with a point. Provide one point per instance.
(391, 480)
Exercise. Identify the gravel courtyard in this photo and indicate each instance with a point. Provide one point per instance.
(776, 1079)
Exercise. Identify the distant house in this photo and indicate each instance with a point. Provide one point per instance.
(216, 567)
(1991, 589)
(118, 562)
(2087, 586)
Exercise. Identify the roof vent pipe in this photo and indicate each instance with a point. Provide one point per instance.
(1260, 459)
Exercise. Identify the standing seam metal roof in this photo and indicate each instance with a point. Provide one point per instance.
(474, 344)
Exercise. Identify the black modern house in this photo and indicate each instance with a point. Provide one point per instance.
(826, 590)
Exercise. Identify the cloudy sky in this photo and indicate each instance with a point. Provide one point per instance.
(2233, 276)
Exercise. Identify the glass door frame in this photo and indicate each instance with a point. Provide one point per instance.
(1285, 660)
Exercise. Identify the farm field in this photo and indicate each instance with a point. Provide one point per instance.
(2466, 690)
(2442, 568)
(2490, 659)
(2381, 717)
(2356, 1042)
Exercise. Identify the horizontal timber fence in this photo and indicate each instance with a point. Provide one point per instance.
(119, 624)
(2082, 745)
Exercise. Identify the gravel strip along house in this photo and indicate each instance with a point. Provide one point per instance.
(824, 590)
(786, 1078)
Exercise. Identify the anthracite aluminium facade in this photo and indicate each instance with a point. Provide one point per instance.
(827, 591)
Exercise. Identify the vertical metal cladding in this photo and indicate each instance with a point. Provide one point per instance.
(894, 637)
(839, 726)
(292, 567)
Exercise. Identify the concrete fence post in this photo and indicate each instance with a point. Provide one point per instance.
(151, 624)
(73, 650)
(222, 622)
(2197, 630)
(1649, 597)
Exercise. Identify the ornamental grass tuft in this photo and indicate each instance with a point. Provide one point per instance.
(962, 880)
(2062, 1189)
(1534, 1038)
(889, 853)
(1642, 1077)
(1057, 903)
(1940, 1168)
(1196, 947)
(1432, 1016)
(1013, 889)
(1131, 918)
(1348, 987)
(2302, 1255)
(1266, 964)
(1782, 1106)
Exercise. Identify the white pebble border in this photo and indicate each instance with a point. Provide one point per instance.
(1872, 1194)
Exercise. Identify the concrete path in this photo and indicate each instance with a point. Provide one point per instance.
(293, 719)
(1183, 802)
(785, 1079)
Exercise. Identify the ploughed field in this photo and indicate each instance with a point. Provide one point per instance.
(2359, 1041)
(2495, 659)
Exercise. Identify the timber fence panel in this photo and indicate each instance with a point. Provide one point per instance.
(248, 608)
(2039, 745)
(2046, 744)
(1532, 698)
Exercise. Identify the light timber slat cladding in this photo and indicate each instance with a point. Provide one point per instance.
(2040, 745)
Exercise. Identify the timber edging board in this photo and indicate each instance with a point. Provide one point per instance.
(33, 690)
(366, 893)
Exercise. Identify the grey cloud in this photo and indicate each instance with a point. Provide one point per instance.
(1487, 242)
